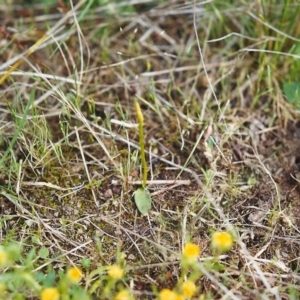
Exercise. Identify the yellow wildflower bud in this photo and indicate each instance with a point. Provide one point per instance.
(123, 295)
(191, 251)
(167, 294)
(115, 272)
(221, 241)
(188, 288)
(74, 275)
(50, 294)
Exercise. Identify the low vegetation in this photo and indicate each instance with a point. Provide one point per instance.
(149, 150)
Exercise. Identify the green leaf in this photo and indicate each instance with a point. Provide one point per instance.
(142, 200)
(216, 266)
(44, 252)
(86, 262)
(35, 239)
(292, 93)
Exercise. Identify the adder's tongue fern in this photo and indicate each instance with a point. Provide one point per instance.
(140, 118)
(142, 196)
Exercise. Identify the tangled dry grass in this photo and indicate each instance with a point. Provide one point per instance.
(222, 141)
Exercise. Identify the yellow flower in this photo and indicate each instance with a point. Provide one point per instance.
(167, 294)
(179, 297)
(191, 251)
(123, 295)
(50, 294)
(188, 288)
(4, 258)
(74, 275)
(115, 272)
(221, 241)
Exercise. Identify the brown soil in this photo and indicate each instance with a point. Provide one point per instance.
(255, 161)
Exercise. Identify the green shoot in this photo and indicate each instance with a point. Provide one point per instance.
(142, 196)
(140, 118)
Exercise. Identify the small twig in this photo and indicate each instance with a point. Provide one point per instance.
(19, 177)
(51, 185)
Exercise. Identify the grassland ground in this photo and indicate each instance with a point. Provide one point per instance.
(222, 138)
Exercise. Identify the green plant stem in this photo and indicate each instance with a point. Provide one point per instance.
(140, 118)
